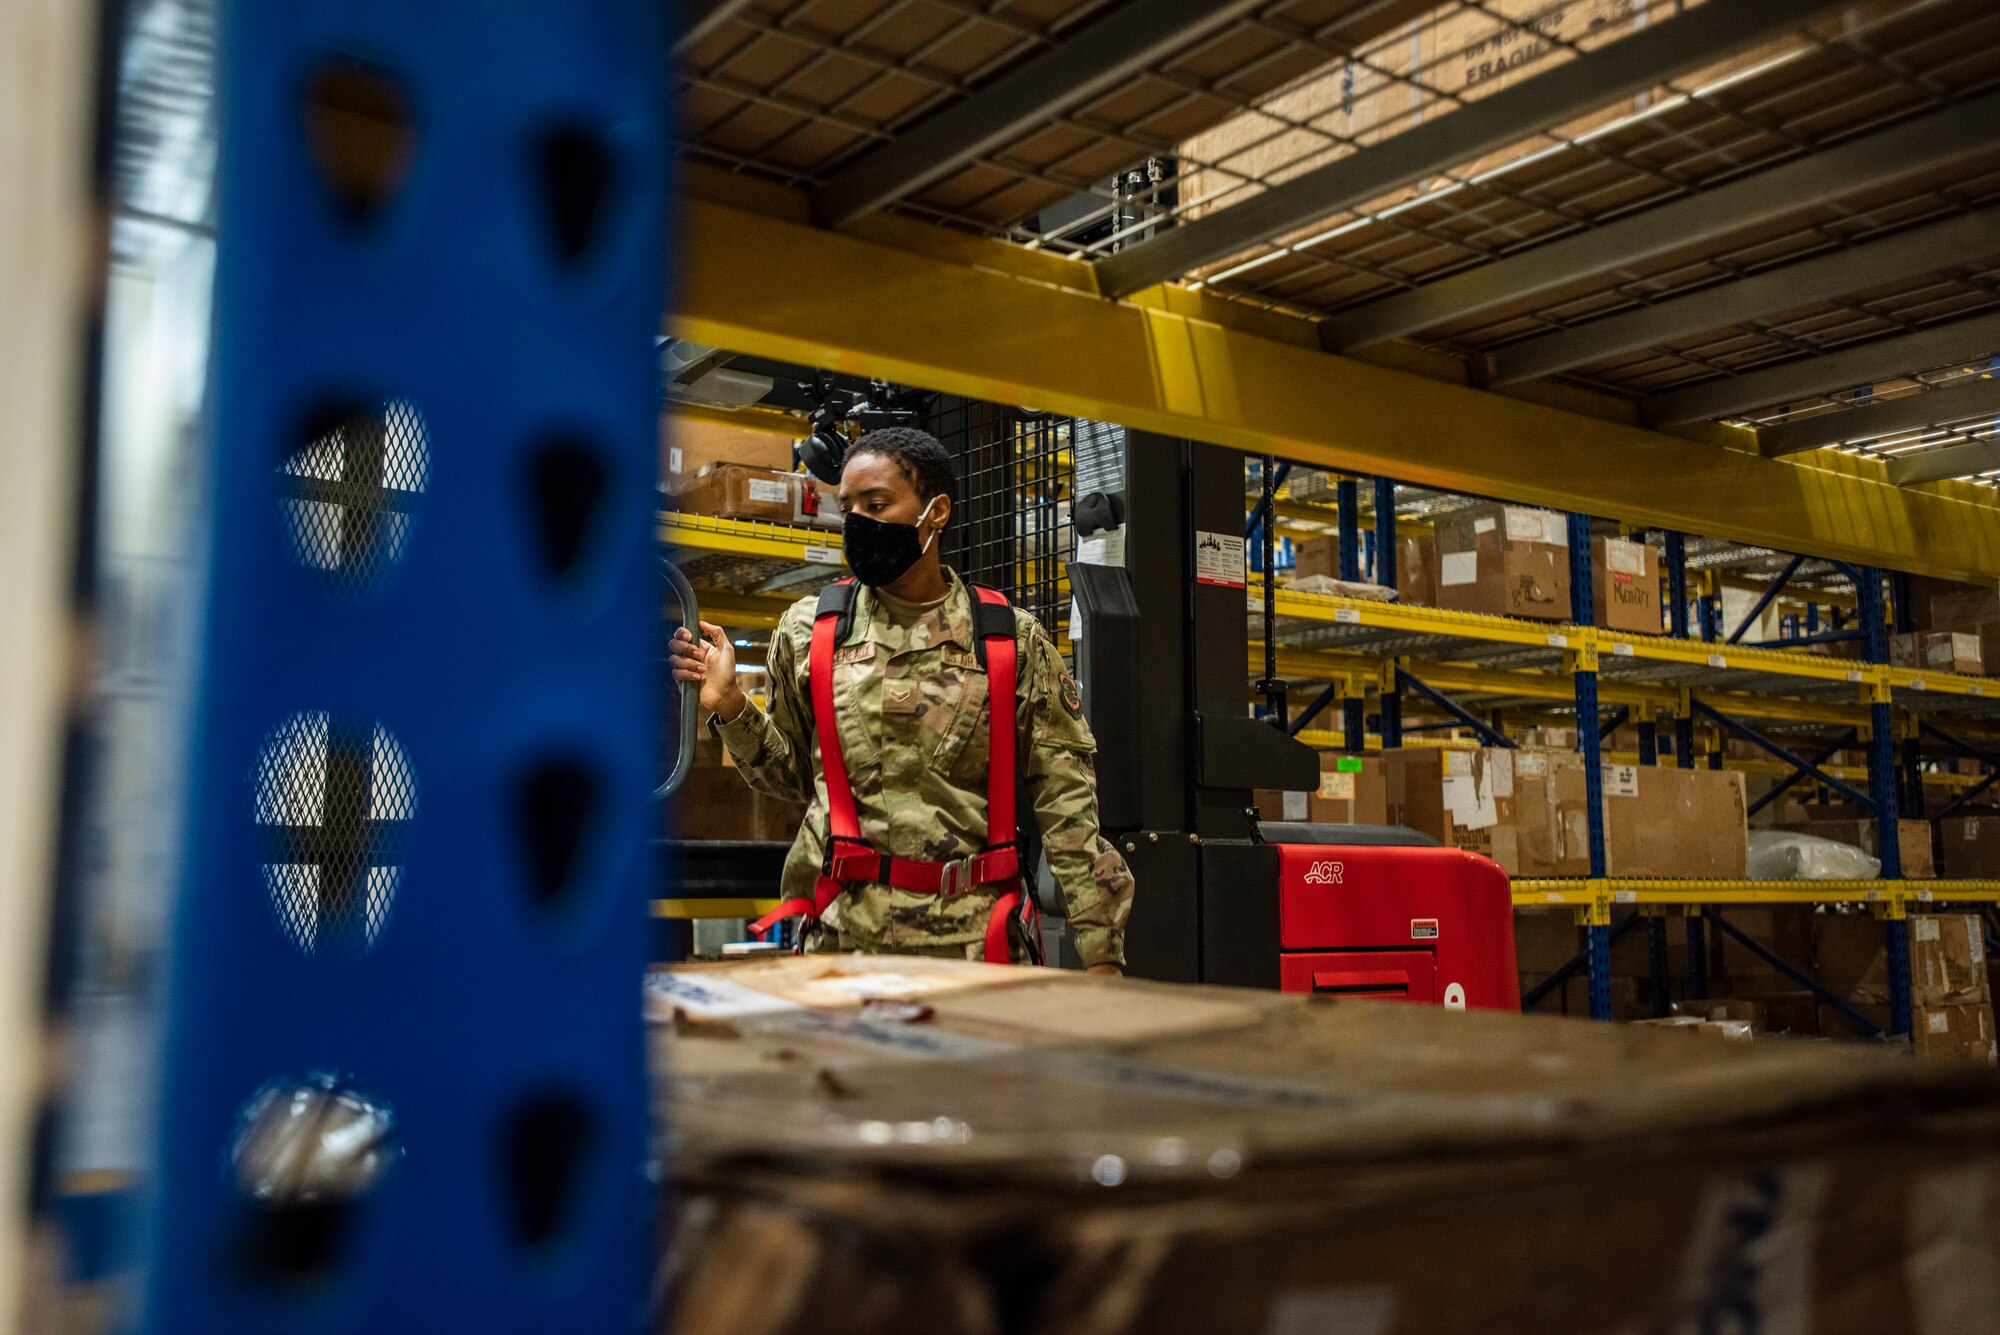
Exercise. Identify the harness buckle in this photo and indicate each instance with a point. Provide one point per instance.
(956, 877)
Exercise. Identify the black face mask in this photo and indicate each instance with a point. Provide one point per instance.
(880, 553)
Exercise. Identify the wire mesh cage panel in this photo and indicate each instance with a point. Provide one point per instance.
(350, 493)
(1012, 527)
(335, 799)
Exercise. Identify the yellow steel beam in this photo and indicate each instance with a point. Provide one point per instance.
(989, 320)
(748, 537)
(712, 908)
(1585, 893)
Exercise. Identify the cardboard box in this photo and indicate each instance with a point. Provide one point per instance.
(1969, 848)
(1625, 586)
(814, 503)
(1947, 958)
(689, 445)
(1504, 560)
(1543, 827)
(736, 491)
(1938, 651)
(1316, 556)
(1522, 808)
(1942, 604)
(1961, 1032)
(1416, 570)
(1913, 841)
(1661, 821)
(1164, 1160)
(1351, 792)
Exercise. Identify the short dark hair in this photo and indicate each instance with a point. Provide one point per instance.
(918, 456)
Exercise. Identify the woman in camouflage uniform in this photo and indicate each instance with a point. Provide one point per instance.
(910, 697)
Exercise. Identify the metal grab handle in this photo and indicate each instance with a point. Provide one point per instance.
(690, 690)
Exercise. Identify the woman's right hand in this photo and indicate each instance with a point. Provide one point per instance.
(712, 662)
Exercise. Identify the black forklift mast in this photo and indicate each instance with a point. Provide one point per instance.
(1162, 644)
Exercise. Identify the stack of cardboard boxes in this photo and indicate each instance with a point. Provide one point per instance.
(1527, 809)
(1969, 846)
(740, 474)
(1954, 628)
(1040, 1150)
(1511, 560)
(1950, 974)
(1957, 651)
(1957, 628)
(1950, 993)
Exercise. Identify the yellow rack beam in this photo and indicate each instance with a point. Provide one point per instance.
(687, 909)
(918, 304)
(749, 537)
(1594, 901)
(1743, 686)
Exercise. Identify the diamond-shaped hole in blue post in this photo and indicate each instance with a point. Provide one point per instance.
(335, 800)
(566, 484)
(546, 1147)
(350, 493)
(576, 175)
(555, 806)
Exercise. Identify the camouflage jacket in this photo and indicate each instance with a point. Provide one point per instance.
(915, 731)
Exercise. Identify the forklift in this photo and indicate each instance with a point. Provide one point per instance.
(1161, 633)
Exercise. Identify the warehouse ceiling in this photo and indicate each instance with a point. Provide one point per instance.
(1777, 213)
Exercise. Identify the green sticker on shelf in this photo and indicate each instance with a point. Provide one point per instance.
(1347, 765)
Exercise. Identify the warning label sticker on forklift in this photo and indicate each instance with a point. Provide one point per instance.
(1423, 929)
(1218, 559)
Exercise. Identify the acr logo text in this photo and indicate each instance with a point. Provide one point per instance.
(1326, 873)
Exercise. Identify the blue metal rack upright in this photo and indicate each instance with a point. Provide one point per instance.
(1589, 741)
(443, 226)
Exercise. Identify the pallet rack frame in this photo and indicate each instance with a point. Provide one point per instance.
(1692, 677)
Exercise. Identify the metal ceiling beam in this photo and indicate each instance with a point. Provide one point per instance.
(1627, 66)
(1958, 131)
(1951, 404)
(1097, 59)
(1978, 456)
(924, 311)
(703, 18)
(1787, 287)
(1881, 359)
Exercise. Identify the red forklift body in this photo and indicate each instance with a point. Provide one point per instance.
(1401, 923)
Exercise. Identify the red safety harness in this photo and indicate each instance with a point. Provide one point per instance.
(850, 859)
